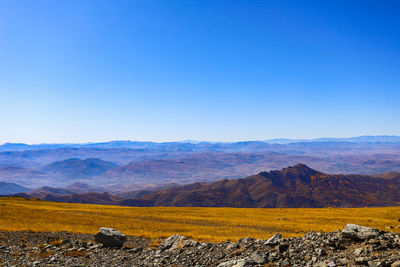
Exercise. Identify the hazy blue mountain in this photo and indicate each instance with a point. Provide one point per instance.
(128, 165)
(76, 168)
(21, 146)
(76, 188)
(11, 188)
(358, 139)
(24, 176)
(199, 146)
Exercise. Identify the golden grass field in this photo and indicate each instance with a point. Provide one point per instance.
(203, 224)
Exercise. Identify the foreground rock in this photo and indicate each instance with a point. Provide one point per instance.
(338, 248)
(274, 239)
(110, 237)
(177, 242)
(359, 232)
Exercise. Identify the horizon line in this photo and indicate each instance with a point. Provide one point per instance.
(201, 141)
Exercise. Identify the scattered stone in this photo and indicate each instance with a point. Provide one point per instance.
(283, 247)
(358, 232)
(361, 260)
(358, 251)
(237, 263)
(258, 257)
(233, 246)
(135, 250)
(320, 252)
(246, 240)
(331, 264)
(176, 242)
(314, 249)
(285, 263)
(110, 237)
(274, 239)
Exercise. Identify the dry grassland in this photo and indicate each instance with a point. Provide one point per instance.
(203, 224)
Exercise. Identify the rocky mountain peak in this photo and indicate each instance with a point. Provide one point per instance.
(300, 170)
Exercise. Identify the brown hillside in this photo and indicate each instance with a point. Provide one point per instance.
(297, 186)
(293, 187)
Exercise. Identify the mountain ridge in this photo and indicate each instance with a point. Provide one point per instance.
(77, 168)
(297, 186)
(11, 188)
(193, 143)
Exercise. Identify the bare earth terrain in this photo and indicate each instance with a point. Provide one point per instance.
(338, 248)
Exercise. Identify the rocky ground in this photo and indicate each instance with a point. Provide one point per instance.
(353, 246)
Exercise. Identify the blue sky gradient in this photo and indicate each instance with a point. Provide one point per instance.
(78, 71)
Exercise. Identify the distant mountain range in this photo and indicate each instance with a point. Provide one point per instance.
(193, 173)
(295, 187)
(76, 188)
(11, 188)
(358, 139)
(126, 166)
(191, 145)
(76, 168)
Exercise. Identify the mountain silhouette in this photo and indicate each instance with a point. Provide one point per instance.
(298, 186)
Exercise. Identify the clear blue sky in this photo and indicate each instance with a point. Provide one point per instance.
(77, 71)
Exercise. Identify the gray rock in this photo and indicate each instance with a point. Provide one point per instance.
(283, 247)
(176, 242)
(273, 256)
(284, 263)
(135, 250)
(110, 237)
(233, 246)
(358, 251)
(274, 239)
(238, 263)
(320, 252)
(315, 249)
(377, 263)
(94, 247)
(361, 260)
(258, 257)
(358, 232)
(246, 240)
(342, 261)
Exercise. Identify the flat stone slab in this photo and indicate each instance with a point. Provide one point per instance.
(358, 232)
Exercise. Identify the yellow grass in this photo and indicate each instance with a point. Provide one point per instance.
(203, 224)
